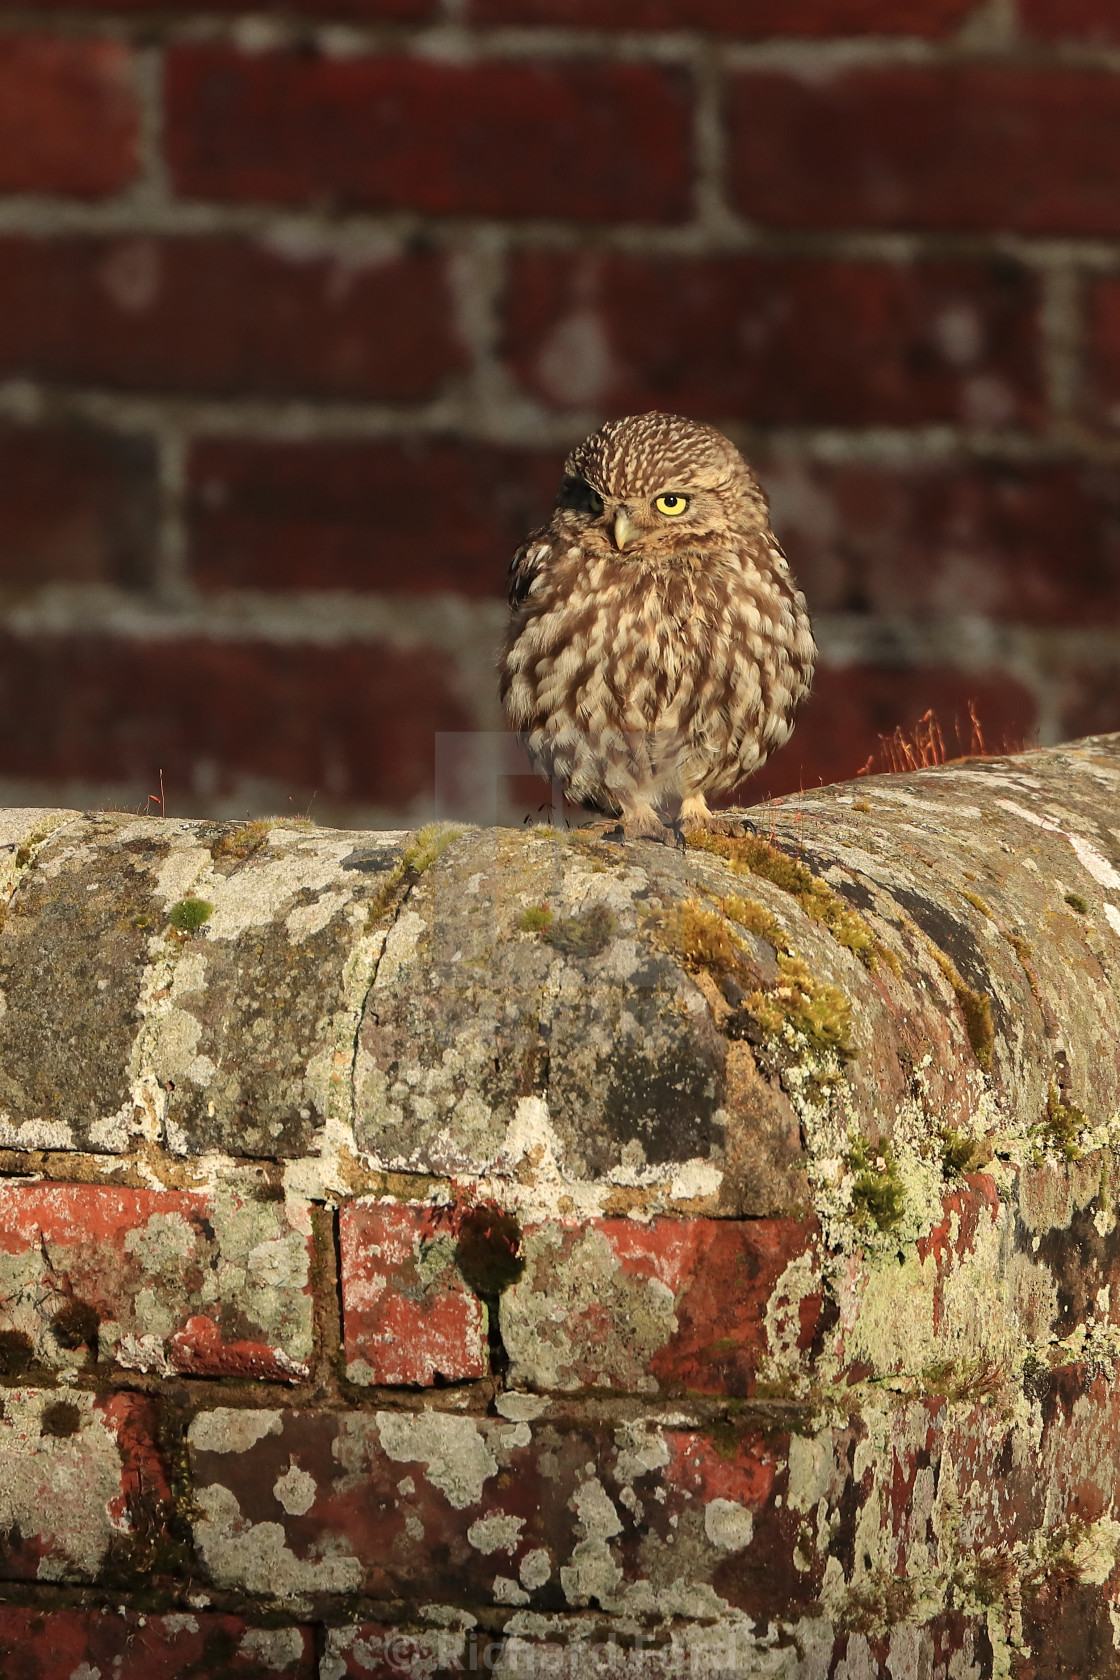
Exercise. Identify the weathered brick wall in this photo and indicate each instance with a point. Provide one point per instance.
(497, 1251)
(300, 305)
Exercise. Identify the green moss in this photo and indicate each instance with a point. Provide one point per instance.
(700, 939)
(704, 941)
(978, 904)
(751, 856)
(60, 1419)
(879, 1601)
(965, 1381)
(429, 844)
(582, 936)
(988, 1578)
(749, 914)
(974, 1006)
(240, 843)
(962, 1154)
(26, 852)
(1059, 1128)
(536, 919)
(189, 914)
(878, 1195)
(75, 1325)
(17, 1351)
(810, 1006)
(1076, 902)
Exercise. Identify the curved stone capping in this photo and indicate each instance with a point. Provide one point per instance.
(597, 1053)
(517, 1252)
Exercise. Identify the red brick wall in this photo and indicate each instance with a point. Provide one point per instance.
(300, 305)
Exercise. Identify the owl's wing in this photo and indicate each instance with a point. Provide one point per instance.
(525, 566)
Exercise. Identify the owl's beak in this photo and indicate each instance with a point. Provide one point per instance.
(624, 529)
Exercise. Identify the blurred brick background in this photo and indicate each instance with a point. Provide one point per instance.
(300, 306)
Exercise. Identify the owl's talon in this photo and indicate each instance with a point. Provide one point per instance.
(641, 828)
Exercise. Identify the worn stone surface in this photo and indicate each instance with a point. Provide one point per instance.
(897, 1512)
(492, 1045)
(62, 1644)
(745, 1215)
(83, 1491)
(133, 950)
(408, 1315)
(668, 1307)
(157, 1281)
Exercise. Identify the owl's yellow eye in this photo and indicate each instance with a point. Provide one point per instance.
(594, 503)
(671, 505)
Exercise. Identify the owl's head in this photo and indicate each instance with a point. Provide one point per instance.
(657, 485)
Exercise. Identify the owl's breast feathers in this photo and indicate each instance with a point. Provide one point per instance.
(718, 642)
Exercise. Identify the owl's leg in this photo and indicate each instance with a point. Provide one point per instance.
(641, 822)
(695, 818)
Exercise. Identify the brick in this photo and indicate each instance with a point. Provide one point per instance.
(432, 1505)
(1027, 543)
(68, 117)
(359, 11)
(978, 146)
(372, 1651)
(417, 515)
(555, 1515)
(852, 708)
(407, 1314)
(757, 338)
(1089, 697)
(750, 18)
(78, 507)
(57, 1643)
(1102, 355)
(352, 722)
(670, 1306)
(224, 316)
(390, 133)
(1095, 20)
(211, 1284)
(82, 1487)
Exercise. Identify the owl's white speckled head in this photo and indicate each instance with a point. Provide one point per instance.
(641, 454)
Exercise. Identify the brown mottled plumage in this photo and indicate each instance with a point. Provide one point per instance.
(657, 651)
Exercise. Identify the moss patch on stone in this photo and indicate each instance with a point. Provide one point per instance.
(428, 844)
(1076, 902)
(810, 1006)
(751, 856)
(962, 1154)
(1059, 1128)
(240, 843)
(975, 1007)
(17, 1352)
(981, 1380)
(878, 1195)
(60, 1419)
(585, 935)
(704, 941)
(76, 1325)
(701, 939)
(189, 914)
(536, 919)
(749, 914)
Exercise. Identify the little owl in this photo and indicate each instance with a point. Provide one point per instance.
(658, 646)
